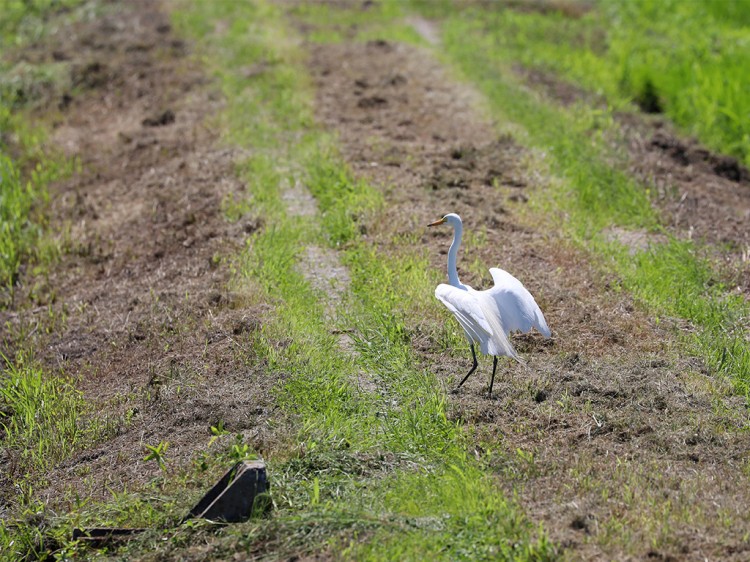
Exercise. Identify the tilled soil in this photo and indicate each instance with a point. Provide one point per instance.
(617, 423)
(150, 333)
(703, 196)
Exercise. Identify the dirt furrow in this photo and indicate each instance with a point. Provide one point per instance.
(607, 406)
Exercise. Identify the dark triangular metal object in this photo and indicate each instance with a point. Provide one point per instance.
(240, 493)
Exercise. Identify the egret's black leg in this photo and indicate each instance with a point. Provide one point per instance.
(492, 380)
(473, 367)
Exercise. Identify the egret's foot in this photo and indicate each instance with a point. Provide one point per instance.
(455, 390)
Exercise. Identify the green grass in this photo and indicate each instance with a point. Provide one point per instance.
(27, 167)
(365, 474)
(15, 207)
(23, 200)
(436, 501)
(43, 418)
(687, 59)
(388, 468)
(41, 415)
(25, 20)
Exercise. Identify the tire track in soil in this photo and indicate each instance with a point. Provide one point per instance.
(607, 405)
(324, 271)
(156, 341)
(320, 266)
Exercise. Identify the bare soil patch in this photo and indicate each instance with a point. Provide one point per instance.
(626, 439)
(154, 339)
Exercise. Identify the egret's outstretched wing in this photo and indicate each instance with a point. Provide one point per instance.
(518, 309)
(477, 315)
(463, 307)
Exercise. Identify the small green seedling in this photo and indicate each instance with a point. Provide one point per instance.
(156, 453)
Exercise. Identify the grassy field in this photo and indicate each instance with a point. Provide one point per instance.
(369, 459)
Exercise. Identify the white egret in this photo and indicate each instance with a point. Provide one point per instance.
(488, 317)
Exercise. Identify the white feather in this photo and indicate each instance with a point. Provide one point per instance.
(488, 317)
(516, 306)
(476, 313)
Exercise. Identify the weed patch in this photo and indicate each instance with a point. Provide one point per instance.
(40, 415)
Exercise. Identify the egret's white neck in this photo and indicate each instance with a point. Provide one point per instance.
(452, 253)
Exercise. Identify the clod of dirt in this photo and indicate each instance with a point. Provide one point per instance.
(397, 80)
(693, 440)
(381, 44)
(467, 153)
(165, 118)
(92, 75)
(371, 102)
(139, 47)
(656, 555)
(245, 325)
(671, 146)
(253, 225)
(581, 523)
(443, 181)
(730, 168)
(648, 99)
(65, 101)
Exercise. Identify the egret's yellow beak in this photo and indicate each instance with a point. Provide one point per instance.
(437, 222)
